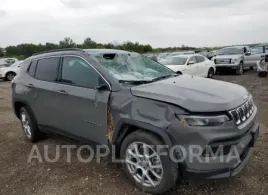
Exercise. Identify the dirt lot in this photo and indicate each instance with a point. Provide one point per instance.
(19, 177)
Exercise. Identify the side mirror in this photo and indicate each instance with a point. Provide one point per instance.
(102, 87)
(248, 53)
(191, 62)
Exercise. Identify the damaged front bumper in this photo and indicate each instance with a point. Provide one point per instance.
(229, 171)
(215, 165)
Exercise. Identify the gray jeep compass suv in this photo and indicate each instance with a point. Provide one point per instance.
(162, 125)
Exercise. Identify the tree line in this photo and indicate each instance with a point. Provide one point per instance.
(27, 49)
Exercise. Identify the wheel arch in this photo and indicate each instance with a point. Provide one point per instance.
(213, 68)
(127, 126)
(18, 104)
(10, 72)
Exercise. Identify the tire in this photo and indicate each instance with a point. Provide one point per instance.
(179, 72)
(9, 76)
(240, 69)
(168, 172)
(262, 74)
(210, 73)
(29, 125)
(251, 68)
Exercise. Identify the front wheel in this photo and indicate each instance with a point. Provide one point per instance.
(143, 164)
(240, 69)
(210, 73)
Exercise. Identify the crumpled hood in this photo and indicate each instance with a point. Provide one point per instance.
(195, 94)
(228, 56)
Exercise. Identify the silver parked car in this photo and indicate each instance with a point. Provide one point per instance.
(232, 58)
(257, 54)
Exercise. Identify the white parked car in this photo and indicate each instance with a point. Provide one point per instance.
(191, 64)
(7, 61)
(8, 73)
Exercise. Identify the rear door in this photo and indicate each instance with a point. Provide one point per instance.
(41, 83)
(192, 68)
(82, 109)
(202, 66)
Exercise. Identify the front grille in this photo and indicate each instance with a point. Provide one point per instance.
(242, 113)
(222, 61)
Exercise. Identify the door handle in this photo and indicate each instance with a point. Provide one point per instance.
(262, 56)
(30, 85)
(63, 92)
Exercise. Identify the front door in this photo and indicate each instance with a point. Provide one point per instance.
(257, 53)
(82, 109)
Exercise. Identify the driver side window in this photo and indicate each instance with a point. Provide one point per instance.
(257, 50)
(77, 72)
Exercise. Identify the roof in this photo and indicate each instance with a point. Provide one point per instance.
(263, 44)
(187, 55)
(93, 51)
(73, 51)
(236, 46)
(57, 50)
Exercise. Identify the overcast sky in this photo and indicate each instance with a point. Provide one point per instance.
(161, 23)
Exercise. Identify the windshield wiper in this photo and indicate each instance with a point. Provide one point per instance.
(164, 77)
(137, 82)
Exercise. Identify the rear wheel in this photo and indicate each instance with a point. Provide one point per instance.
(29, 125)
(240, 69)
(10, 76)
(143, 164)
(210, 73)
(262, 74)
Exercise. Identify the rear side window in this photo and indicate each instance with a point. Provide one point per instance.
(47, 69)
(200, 59)
(32, 68)
(193, 59)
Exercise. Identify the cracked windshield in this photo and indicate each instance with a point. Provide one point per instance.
(133, 67)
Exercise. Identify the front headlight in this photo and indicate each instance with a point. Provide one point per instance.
(235, 60)
(203, 120)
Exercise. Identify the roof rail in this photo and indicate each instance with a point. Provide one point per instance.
(57, 50)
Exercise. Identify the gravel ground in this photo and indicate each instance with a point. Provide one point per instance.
(19, 177)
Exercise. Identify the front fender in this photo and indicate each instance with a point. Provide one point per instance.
(120, 131)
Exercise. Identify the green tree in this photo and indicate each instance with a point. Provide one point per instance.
(89, 43)
(2, 52)
(67, 42)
